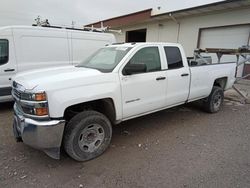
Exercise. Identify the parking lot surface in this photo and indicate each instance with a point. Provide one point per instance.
(179, 147)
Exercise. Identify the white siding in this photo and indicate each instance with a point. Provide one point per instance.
(166, 31)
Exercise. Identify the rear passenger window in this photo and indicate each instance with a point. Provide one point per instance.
(4, 51)
(174, 58)
(149, 56)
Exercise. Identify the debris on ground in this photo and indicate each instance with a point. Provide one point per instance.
(126, 133)
(23, 177)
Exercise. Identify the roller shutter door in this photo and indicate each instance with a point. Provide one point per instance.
(225, 37)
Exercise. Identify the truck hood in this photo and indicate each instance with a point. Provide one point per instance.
(56, 77)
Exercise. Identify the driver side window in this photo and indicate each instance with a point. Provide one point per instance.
(4, 51)
(149, 56)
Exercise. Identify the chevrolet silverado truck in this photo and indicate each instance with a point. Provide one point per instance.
(74, 107)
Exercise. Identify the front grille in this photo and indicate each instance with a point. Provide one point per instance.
(19, 93)
(16, 93)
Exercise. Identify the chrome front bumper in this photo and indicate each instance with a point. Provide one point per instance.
(43, 135)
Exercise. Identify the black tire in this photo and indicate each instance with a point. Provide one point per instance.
(77, 142)
(213, 103)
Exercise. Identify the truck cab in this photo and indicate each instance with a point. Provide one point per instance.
(164, 82)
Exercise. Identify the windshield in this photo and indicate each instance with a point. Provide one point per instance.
(105, 59)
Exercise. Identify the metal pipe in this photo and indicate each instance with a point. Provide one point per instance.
(178, 23)
(242, 78)
(243, 61)
(248, 42)
(239, 92)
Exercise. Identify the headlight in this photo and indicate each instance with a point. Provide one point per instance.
(34, 104)
(41, 96)
(41, 111)
(30, 103)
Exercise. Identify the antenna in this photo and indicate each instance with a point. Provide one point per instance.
(73, 24)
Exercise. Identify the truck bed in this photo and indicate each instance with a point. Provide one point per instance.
(202, 78)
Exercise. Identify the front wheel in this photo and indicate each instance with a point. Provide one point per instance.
(213, 103)
(87, 135)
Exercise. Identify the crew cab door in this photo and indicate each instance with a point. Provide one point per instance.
(143, 92)
(7, 65)
(178, 76)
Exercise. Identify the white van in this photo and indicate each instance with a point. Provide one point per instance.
(30, 47)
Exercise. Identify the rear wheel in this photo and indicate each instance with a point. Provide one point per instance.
(87, 135)
(214, 101)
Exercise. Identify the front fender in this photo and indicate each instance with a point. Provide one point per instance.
(60, 100)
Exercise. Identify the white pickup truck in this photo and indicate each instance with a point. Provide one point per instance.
(75, 106)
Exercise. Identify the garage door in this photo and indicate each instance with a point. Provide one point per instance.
(225, 37)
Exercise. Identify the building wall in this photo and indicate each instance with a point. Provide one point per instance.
(167, 31)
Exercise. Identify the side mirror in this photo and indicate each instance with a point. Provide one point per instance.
(193, 63)
(134, 68)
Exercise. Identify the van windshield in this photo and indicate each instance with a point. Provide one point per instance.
(4, 51)
(105, 59)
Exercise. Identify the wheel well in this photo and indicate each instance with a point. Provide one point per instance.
(221, 82)
(104, 106)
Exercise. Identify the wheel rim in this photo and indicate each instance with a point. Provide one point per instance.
(91, 138)
(217, 101)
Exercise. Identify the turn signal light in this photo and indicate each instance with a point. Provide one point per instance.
(41, 111)
(40, 97)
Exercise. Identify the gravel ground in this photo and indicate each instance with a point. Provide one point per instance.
(179, 147)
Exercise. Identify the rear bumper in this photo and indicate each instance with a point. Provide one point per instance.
(43, 135)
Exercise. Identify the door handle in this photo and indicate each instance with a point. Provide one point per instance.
(160, 78)
(9, 70)
(185, 74)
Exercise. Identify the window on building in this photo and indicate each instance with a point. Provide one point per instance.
(174, 58)
(136, 35)
(4, 51)
(149, 56)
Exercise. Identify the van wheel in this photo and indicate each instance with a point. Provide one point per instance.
(87, 135)
(213, 103)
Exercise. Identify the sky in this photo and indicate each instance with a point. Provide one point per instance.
(82, 12)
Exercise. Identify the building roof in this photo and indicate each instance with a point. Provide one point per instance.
(146, 15)
(135, 17)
